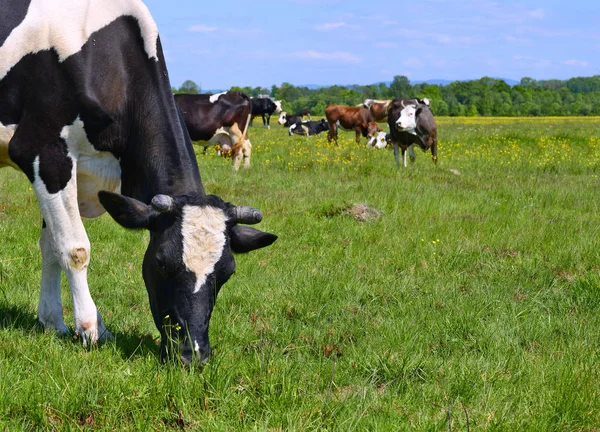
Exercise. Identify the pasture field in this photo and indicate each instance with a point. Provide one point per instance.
(471, 302)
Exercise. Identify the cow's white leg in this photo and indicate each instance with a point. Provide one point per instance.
(247, 151)
(411, 154)
(66, 239)
(396, 154)
(50, 312)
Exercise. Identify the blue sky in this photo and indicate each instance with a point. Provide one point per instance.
(264, 42)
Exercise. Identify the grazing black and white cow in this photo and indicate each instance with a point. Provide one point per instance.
(309, 127)
(411, 122)
(221, 119)
(87, 113)
(265, 107)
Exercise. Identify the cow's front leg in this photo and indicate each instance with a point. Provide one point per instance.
(50, 312)
(411, 154)
(266, 121)
(397, 154)
(358, 134)
(64, 242)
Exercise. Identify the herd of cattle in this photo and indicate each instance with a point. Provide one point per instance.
(88, 115)
(222, 120)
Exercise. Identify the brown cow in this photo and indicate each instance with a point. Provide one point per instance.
(379, 108)
(357, 119)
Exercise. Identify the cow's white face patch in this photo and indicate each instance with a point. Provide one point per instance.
(282, 118)
(378, 141)
(203, 231)
(408, 119)
(216, 97)
(277, 106)
(44, 28)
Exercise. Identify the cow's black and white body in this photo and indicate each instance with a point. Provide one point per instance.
(411, 122)
(309, 127)
(265, 107)
(221, 119)
(86, 112)
(287, 120)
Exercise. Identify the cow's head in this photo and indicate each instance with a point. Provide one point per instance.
(282, 118)
(378, 141)
(372, 130)
(189, 258)
(322, 126)
(277, 106)
(408, 119)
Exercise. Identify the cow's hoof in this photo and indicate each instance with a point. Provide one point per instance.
(61, 329)
(88, 334)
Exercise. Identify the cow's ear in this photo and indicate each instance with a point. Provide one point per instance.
(128, 212)
(245, 239)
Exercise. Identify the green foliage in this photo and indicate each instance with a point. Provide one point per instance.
(189, 87)
(484, 97)
(475, 292)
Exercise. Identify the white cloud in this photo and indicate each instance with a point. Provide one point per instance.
(223, 30)
(576, 63)
(386, 44)
(532, 61)
(537, 14)
(202, 29)
(331, 26)
(412, 62)
(332, 56)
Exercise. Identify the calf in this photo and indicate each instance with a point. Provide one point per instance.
(221, 119)
(357, 119)
(265, 107)
(87, 114)
(309, 127)
(412, 122)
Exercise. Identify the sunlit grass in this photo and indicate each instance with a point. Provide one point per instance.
(473, 298)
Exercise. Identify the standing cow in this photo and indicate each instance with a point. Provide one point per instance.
(87, 113)
(221, 119)
(265, 107)
(357, 119)
(378, 108)
(412, 122)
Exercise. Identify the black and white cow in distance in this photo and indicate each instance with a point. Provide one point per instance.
(86, 112)
(309, 127)
(287, 120)
(411, 122)
(265, 107)
(222, 119)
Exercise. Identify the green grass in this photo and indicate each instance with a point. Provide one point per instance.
(473, 299)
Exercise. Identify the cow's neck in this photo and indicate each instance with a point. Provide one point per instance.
(159, 158)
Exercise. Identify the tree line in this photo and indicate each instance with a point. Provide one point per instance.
(484, 97)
